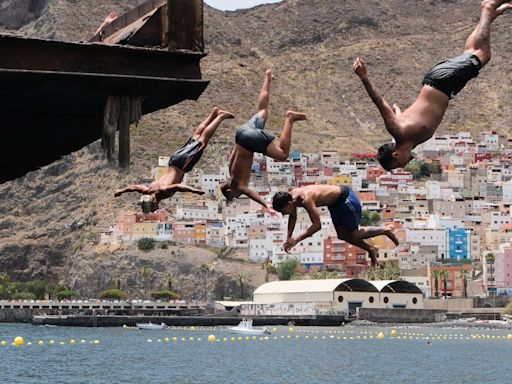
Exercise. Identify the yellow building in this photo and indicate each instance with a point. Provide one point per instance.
(200, 233)
(495, 237)
(141, 230)
(341, 180)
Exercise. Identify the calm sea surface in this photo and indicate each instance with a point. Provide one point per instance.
(306, 355)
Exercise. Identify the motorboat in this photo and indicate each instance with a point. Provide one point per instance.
(151, 326)
(245, 328)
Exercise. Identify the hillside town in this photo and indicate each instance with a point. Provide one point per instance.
(450, 209)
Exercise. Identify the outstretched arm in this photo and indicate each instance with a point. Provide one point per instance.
(315, 226)
(257, 198)
(387, 113)
(132, 188)
(173, 188)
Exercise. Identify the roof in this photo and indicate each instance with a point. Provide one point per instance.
(395, 286)
(303, 286)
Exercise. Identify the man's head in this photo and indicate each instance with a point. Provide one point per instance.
(283, 202)
(228, 191)
(391, 157)
(148, 203)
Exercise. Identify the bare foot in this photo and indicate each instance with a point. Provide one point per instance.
(225, 114)
(296, 116)
(502, 9)
(269, 74)
(373, 256)
(389, 233)
(215, 111)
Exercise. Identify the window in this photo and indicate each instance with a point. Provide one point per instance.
(340, 299)
(371, 299)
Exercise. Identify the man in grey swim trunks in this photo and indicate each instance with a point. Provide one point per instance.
(251, 138)
(418, 123)
(181, 162)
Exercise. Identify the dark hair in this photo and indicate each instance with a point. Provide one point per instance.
(385, 156)
(281, 200)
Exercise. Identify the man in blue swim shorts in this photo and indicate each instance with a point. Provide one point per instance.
(181, 162)
(442, 82)
(345, 210)
(251, 138)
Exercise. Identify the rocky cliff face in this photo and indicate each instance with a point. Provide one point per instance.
(50, 220)
(16, 13)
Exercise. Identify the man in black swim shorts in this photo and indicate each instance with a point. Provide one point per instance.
(250, 138)
(181, 162)
(446, 79)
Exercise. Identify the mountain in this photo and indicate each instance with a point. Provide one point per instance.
(50, 219)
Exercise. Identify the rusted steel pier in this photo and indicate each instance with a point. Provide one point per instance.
(56, 97)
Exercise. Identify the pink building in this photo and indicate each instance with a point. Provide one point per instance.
(503, 267)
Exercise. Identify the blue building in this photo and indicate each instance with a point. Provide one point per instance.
(458, 245)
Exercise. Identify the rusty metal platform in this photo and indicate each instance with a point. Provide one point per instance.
(53, 94)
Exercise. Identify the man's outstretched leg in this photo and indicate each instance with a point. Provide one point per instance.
(201, 127)
(479, 42)
(281, 150)
(264, 96)
(207, 133)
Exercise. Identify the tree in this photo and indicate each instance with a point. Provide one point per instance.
(375, 218)
(240, 280)
(205, 269)
(269, 269)
(23, 296)
(169, 280)
(390, 271)
(146, 244)
(435, 277)
(414, 168)
(443, 274)
(286, 269)
(164, 294)
(113, 293)
(145, 273)
(366, 218)
(464, 274)
(324, 275)
(67, 294)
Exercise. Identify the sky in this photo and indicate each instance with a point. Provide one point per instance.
(231, 5)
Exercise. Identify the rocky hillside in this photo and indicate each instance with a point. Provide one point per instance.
(50, 220)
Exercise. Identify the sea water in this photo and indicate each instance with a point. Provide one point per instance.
(288, 355)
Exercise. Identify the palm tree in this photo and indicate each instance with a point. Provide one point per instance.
(489, 259)
(435, 277)
(240, 280)
(145, 272)
(205, 269)
(269, 269)
(169, 280)
(444, 275)
(464, 274)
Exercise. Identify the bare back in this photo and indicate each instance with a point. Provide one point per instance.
(173, 176)
(321, 195)
(240, 165)
(419, 122)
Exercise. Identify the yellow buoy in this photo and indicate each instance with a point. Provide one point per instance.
(96, 341)
(274, 330)
(232, 338)
(18, 341)
(509, 336)
(40, 342)
(174, 339)
(167, 339)
(380, 335)
(212, 338)
(72, 342)
(61, 343)
(3, 342)
(82, 341)
(51, 342)
(394, 333)
(290, 329)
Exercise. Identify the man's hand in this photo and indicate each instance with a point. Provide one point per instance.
(271, 211)
(359, 68)
(118, 193)
(290, 243)
(197, 191)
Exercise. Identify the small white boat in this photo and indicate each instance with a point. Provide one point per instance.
(245, 328)
(151, 326)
